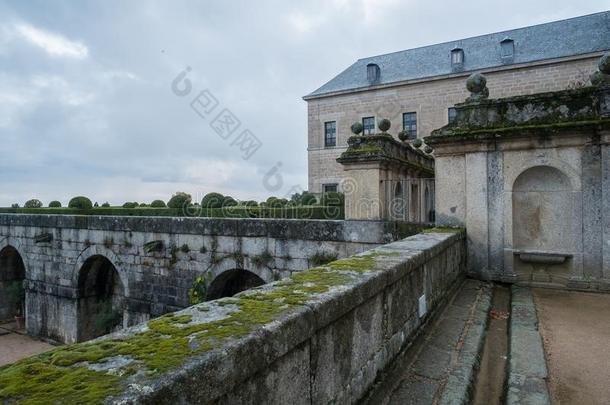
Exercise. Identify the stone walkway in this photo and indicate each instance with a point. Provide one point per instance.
(575, 329)
(15, 345)
(439, 367)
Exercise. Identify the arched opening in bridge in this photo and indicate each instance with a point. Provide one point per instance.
(100, 298)
(232, 282)
(12, 274)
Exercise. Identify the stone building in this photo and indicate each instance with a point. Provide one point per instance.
(417, 88)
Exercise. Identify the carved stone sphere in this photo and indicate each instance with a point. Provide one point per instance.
(357, 128)
(384, 124)
(476, 83)
(417, 143)
(403, 136)
(604, 63)
(428, 149)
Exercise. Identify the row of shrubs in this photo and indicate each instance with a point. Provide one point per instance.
(301, 205)
(182, 200)
(300, 212)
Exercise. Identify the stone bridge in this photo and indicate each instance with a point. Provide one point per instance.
(125, 270)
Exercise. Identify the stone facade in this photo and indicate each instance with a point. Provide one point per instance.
(320, 337)
(528, 177)
(430, 99)
(150, 263)
(387, 179)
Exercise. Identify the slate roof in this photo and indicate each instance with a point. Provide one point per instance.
(571, 37)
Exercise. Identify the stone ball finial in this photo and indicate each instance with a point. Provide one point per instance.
(604, 63)
(477, 86)
(601, 77)
(403, 136)
(357, 128)
(384, 124)
(417, 143)
(428, 149)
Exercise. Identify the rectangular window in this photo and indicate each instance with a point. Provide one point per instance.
(452, 114)
(330, 133)
(409, 124)
(368, 125)
(330, 188)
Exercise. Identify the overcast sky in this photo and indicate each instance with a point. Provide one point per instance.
(86, 100)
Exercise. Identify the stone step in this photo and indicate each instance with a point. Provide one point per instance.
(440, 367)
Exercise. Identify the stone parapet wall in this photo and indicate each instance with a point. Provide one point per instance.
(54, 249)
(320, 336)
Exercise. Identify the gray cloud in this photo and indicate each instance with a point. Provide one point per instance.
(86, 105)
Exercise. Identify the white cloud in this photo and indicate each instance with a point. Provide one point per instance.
(53, 44)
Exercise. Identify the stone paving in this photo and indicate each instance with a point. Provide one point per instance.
(440, 366)
(15, 345)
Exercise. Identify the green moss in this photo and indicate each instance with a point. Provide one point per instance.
(441, 229)
(169, 341)
(35, 382)
(359, 264)
(320, 258)
(62, 375)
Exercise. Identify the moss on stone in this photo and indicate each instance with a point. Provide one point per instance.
(359, 264)
(64, 374)
(441, 229)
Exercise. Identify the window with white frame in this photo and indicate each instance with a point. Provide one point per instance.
(330, 134)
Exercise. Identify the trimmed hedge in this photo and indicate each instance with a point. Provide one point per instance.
(80, 202)
(303, 212)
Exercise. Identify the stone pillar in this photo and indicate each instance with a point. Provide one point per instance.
(365, 195)
(375, 163)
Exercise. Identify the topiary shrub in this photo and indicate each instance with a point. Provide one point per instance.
(357, 128)
(81, 203)
(33, 203)
(143, 205)
(229, 202)
(332, 199)
(55, 204)
(179, 200)
(106, 205)
(250, 203)
(274, 202)
(384, 124)
(308, 199)
(130, 205)
(158, 204)
(212, 200)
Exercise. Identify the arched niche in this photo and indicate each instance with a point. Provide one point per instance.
(544, 220)
(542, 210)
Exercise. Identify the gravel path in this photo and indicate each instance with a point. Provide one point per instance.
(575, 328)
